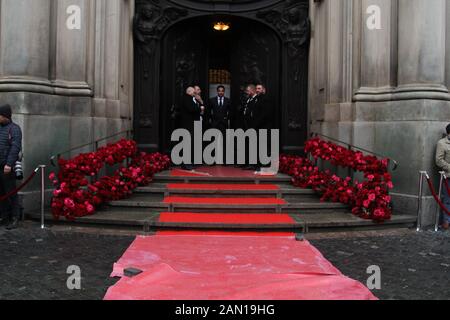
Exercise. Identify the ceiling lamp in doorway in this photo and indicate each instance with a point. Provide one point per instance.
(221, 26)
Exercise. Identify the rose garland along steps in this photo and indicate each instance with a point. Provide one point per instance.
(75, 197)
(369, 199)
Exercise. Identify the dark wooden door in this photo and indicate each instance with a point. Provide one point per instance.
(270, 43)
(255, 60)
(184, 63)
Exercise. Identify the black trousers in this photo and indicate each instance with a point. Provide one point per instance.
(269, 149)
(9, 208)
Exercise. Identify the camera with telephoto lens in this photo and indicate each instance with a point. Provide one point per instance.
(18, 169)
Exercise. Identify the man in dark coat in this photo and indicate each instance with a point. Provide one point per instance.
(263, 116)
(219, 110)
(247, 118)
(190, 112)
(249, 107)
(263, 113)
(10, 148)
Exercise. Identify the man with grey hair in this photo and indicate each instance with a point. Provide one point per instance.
(247, 116)
(191, 112)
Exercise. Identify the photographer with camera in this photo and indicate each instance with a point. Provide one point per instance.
(10, 150)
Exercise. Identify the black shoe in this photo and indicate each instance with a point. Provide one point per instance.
(13, 225)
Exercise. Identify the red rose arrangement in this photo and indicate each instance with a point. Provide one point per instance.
(76, 197)
(369, 199)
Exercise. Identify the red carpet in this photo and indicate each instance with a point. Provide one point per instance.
(219, 265)
(230, 268)
(226, 218)
(234, 201)
(228, 187)
(184, 173)
(216, 171)
(214, 233)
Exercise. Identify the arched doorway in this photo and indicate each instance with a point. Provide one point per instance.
(175, 45)
(194, 53)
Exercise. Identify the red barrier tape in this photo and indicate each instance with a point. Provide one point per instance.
(436, 197)
(17, 190)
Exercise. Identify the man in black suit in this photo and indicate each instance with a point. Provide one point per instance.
(249, 106)
(219, 111)
(246, 113)
(263, 115)
(191, 112)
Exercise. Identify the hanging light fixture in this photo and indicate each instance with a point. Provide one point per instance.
(221, 26)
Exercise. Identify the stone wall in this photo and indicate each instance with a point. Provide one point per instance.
(385, 89)
(71, 81)
(65, 67)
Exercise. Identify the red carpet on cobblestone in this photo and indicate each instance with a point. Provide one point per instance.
(225, 265)
(230, 268)
(226, 201)
(227, 187)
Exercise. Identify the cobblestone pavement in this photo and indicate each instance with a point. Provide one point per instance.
(34, 262)
(414, 266)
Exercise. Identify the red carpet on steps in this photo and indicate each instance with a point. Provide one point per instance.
(216, 171)
(230, 268)
(215, 218)
(226, 218)
(227, 201)
(185, 173)
(227, 187)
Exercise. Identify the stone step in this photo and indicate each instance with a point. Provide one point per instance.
(282, 192)
(166, 177)
(199, 221)
(156, 202)
(329, 222)
(143, 219)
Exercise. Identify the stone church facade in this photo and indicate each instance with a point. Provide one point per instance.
(373, 73)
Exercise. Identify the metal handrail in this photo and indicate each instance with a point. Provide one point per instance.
(94, 143)
(350, 146)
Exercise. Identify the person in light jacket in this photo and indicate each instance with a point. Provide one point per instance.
(443, 162)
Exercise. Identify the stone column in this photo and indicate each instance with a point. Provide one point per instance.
(422, 37)
(73, 46)
(447, 47)
(25, 42)
(376, 72)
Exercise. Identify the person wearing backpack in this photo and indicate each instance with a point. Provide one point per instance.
(10, 149)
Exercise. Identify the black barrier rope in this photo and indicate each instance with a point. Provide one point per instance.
(436, 197)
(17, 190)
